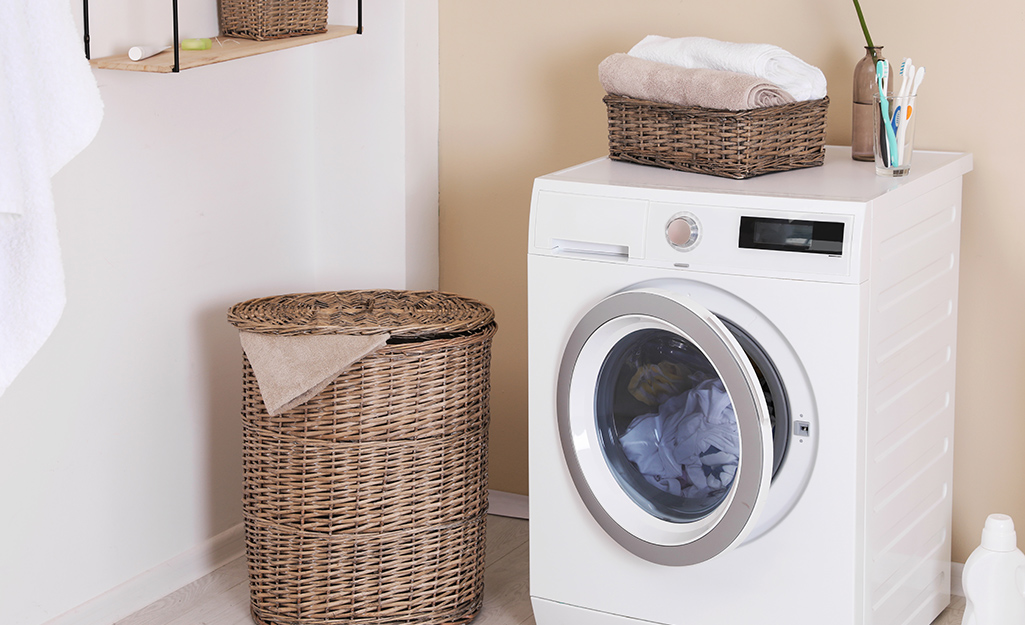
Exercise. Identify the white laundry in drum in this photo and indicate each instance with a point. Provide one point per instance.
(690, 447)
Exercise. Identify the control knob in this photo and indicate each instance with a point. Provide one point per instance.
(682, 232)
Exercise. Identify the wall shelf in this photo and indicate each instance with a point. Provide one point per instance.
(174, 59)
(223, 49)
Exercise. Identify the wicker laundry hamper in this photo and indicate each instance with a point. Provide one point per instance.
(367, 504)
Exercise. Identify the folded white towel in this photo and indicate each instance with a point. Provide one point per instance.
(50, 109)
(766, 61)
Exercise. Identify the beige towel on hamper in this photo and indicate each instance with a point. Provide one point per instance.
(292, 369)
(622, 74)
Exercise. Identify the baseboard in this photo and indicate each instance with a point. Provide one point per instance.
(501, 503)
(158, 582)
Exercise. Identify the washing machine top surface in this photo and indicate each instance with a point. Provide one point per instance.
(840, 179)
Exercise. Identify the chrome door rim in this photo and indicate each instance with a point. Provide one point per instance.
(655, 539)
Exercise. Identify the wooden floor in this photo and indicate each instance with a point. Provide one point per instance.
(222, 598)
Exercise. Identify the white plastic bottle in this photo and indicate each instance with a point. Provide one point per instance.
(994, 577)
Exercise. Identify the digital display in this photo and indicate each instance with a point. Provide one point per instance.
(792, 235)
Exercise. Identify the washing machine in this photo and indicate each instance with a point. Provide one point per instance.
(741, 394)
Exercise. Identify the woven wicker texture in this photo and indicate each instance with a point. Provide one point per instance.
(403, 314)
(272, 19)
(732, 144)
(367, 504)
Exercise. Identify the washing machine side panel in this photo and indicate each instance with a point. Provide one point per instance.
(910, 416)
(809, 559)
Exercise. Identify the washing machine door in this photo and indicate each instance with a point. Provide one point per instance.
(664, 426)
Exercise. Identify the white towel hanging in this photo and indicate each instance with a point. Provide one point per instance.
(51, 111)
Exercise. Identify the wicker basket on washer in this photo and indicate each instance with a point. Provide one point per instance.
(272, 19)
(731, 144)
(367, 504)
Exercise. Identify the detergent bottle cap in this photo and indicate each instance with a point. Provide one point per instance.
(998, 533)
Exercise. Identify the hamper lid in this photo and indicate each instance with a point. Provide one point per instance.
(402, 314)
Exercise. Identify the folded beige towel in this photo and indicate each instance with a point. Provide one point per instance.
(292, 369)
(625, 75)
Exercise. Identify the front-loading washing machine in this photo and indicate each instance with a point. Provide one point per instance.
(741, 394)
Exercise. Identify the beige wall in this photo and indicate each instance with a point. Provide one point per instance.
(520, 98)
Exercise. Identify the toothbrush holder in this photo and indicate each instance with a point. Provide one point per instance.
(894, 138)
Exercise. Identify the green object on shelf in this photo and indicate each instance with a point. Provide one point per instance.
(196, 44)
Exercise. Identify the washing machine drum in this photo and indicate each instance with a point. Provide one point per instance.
(673, 421)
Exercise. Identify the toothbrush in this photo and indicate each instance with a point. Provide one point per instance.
(884, 107)
(907, 74)
(884, 149)
(918, 75)
(902, 111)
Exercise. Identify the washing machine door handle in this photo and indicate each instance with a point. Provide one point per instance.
(664, 426)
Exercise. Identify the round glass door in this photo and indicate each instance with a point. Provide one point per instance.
(665, 427)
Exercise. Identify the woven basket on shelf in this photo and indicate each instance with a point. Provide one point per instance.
(272, 19)
(367, 504)
(732, 144)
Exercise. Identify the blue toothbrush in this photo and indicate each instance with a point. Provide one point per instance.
(884, 107)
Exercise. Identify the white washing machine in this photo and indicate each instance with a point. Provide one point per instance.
(741, 394)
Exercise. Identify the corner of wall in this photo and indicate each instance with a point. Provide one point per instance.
(422, 127)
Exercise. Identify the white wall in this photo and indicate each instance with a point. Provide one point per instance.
(307, 169)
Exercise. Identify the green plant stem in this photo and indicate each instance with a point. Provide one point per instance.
(864, 27)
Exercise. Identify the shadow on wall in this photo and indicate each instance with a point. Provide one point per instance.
(839, 71)
(220, 362)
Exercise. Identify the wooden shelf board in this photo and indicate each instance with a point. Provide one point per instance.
(223, 49)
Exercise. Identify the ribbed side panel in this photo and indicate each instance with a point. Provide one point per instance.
(910, 420)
